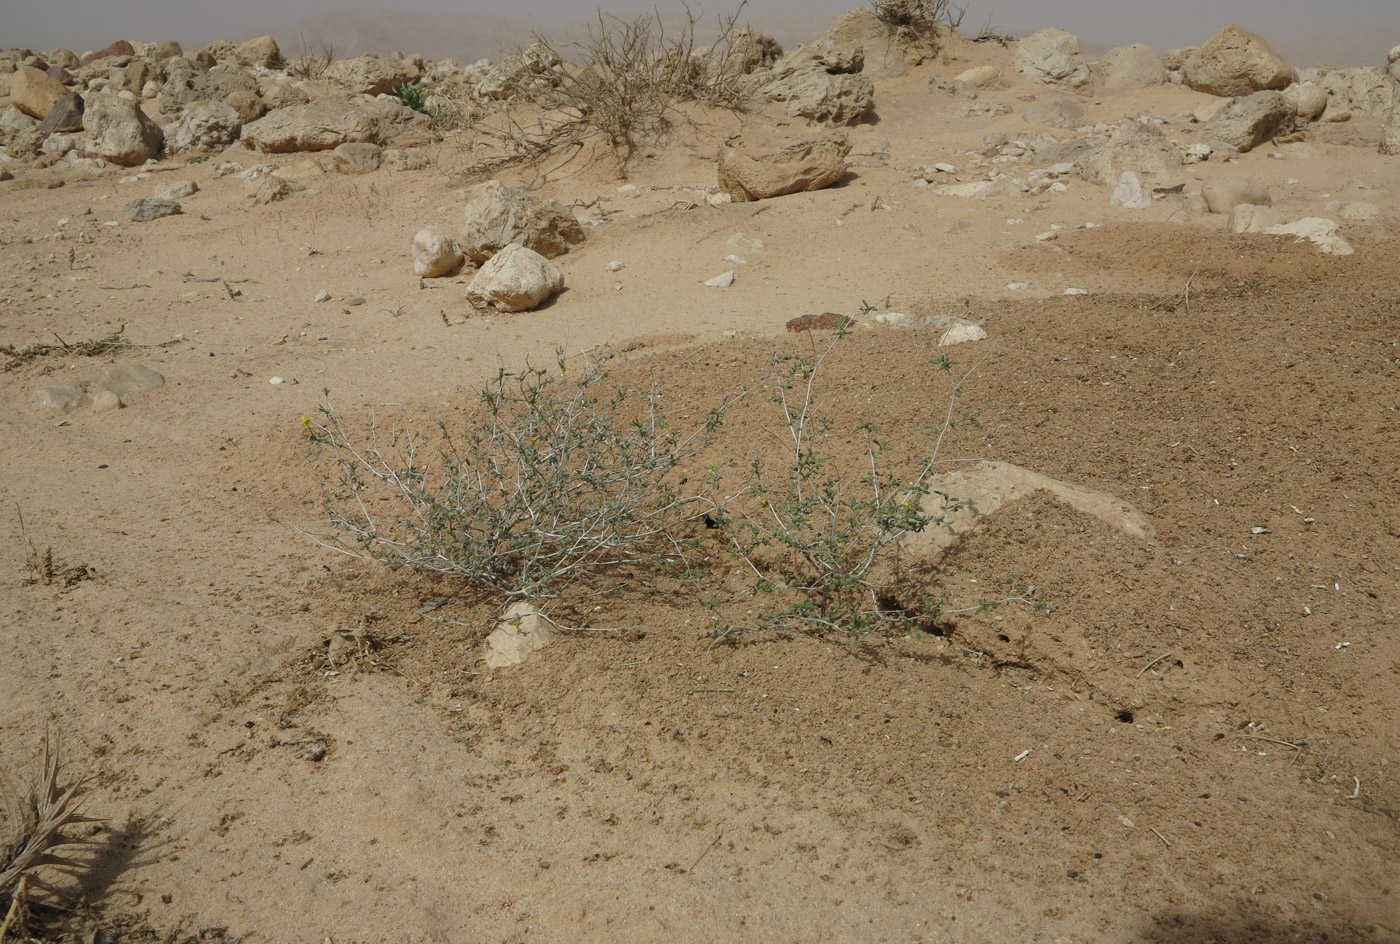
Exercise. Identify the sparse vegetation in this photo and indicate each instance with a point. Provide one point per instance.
(919, 15)
(34, 823)
(624, 90)
(561, 478)
(313, 63)
(816, 536)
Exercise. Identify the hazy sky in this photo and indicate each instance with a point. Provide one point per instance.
(80, 24)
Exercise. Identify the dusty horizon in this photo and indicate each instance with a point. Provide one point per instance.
(84, 24)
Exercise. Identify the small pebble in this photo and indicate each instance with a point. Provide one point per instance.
(323, 296)
(275, 380)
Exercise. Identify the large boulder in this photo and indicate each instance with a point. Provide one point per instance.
(370, 75)
(1360, 91)
(1390, 132)
(204, 126)
(321, 126)
(515, 279)
(1250, 120)
(262, 52)
(1135, 146)
(119, 131)
(840, 98)
(809, 165)
(1235, 61)
(1309, 100)
(1052, 57)
(1132, 67)
(497, 216)
(119, 48)
(34, 91)
(880, 44)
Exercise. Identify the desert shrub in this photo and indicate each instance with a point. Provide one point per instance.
(34, 834)
(561, 477)
(312, 64)
(919, 15)
(426, 102)
(624, 89)
(816, 535)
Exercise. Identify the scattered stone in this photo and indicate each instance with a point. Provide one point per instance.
(1076, 291)
(1136, 146)
(35, 92)
(434, 255)
(401, 159)
(268, 189)
(65, 115)
(616, 266)
(1132, 67)
(1056, 114)
(1236, 62)
(1251, 218)
(826, 321)
(354, 158)
(723, 280)
(980, 77)
(176, 189)
(1130, 193)
(498, 215)
(1196, 153)
(249, 106)
(521, 632)
(515, 279)
(1223, 194)
(58, 144)
(147, 209)
(1251, 120)
(798, 168)
(106, 401)
(1052, 57)
(61, 398)
(981, 189)
(120, 132)
(1322, 232)
(121, 381)
(1360, 211)
(950, 330)
(276, 381)
(322, 296)
(979, 109)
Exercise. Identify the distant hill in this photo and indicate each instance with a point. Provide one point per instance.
(469, 37)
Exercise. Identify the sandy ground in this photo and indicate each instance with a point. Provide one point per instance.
(1209, 718)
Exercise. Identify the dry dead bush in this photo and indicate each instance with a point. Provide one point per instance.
(34, 837)
(312, 64)
(919, 15)
(623, 91)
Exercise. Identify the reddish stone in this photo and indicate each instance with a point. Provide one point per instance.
(120, 48)
(826, 321)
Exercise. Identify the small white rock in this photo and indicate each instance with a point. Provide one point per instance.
(1076, 291)
(1017, 286)
(723, 280)
(323, 296)
(736, 260)
(616, 266)
(275, 380)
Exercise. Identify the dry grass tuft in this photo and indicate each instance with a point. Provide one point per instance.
(33, 834)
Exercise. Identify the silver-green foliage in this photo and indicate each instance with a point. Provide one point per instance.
(561, 477)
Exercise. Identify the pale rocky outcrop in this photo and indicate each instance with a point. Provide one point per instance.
(515, 279)
(1390, 133)
(371, 75)
(119, 131)
(1057, 114)
(533, 71)
(885, 53)
(808, 165)
(1249, 121)
(1234, 62)
(204, 126)
(1252, 218)
(1052, 57)
(498, 215)
(1136, 146)
(354, 158)
(830, 98)
(249, 105)
(321, 126)
(1132, 67)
